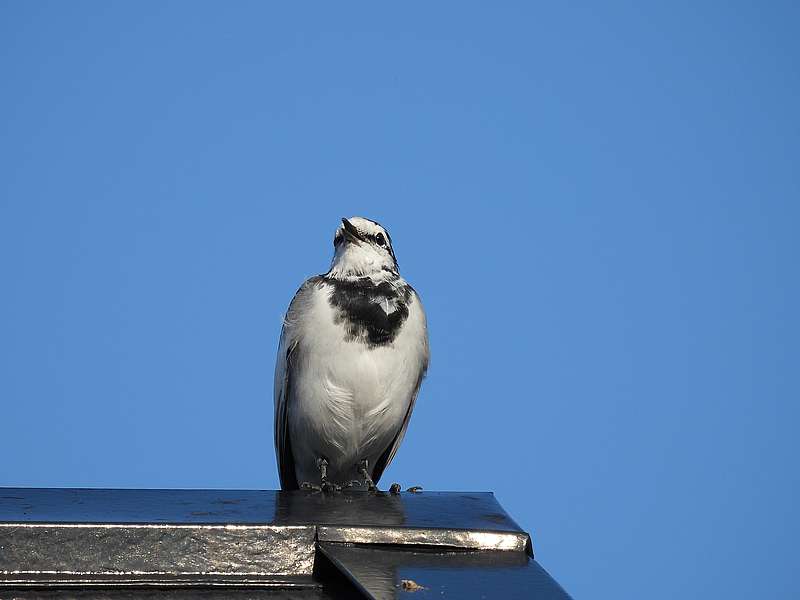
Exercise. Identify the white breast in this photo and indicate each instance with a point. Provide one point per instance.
(350, 400)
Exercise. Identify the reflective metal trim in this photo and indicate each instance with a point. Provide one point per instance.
(453, 538)
(156, 549)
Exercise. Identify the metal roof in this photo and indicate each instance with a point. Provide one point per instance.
(304, 544)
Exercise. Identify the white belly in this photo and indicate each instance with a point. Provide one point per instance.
(349, 401)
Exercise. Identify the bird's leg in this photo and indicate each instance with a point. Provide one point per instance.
(327, 486)
(322, 465)
(363, 467)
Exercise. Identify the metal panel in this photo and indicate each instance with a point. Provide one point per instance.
(170, 544)
(75, 505)
(477, 511)
(172, 594)
(461, 510)
(465, 520)
(385, 573)
(158, 580)
(150, 549)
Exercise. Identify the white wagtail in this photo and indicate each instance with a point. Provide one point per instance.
(352, 355)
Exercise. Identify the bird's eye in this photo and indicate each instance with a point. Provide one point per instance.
(380, 239)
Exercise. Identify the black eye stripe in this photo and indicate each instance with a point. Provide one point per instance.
(379, 239)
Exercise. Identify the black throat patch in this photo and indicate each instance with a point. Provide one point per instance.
(371, 312)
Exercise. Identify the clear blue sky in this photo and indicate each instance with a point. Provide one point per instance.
(598, 205)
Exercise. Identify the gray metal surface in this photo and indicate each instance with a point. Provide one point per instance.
(158, 580)
(156, 549)
(462, 510)
(385, 573)
(60, 543)
(461, 520)
(129, 593)
(77, 505)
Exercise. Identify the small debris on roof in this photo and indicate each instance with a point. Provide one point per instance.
(409, 585)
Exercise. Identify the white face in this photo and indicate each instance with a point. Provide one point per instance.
(362, 247)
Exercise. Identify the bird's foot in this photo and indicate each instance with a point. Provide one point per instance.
(352, 484)
(415, 489)
(326, 486)
(306, 485)
(363, 470)
(394, 488)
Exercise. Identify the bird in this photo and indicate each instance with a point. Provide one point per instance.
(352, 355)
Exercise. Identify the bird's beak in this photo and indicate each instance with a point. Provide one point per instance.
(351, 234)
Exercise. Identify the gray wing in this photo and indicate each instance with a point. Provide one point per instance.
(387, 456)
(289, 350)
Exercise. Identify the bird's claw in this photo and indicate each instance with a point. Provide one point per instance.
(394, 488)
(310, 486)
(363, 470)
(415, 489)
(352, 484)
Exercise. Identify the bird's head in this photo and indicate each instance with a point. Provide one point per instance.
(362, 247)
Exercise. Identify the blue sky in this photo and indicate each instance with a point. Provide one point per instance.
(597, 204)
